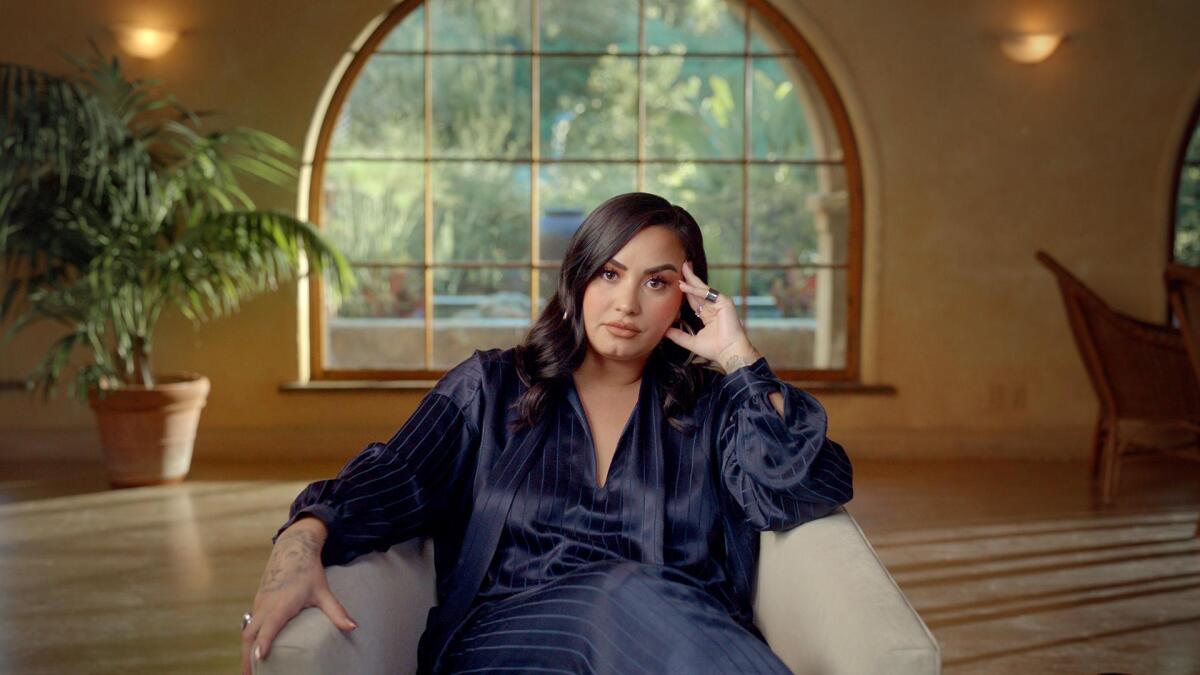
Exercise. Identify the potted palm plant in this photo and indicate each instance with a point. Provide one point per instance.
(115, 206)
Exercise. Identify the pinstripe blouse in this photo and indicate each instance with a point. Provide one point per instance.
(494, 500)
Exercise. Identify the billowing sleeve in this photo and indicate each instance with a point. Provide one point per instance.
(393, 491)
(781, 471)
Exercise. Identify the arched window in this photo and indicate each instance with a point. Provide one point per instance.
(467, 139)
(1185, 234)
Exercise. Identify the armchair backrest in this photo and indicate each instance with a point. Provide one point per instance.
(1133, 365)
(1078, 299)
(1183, 291)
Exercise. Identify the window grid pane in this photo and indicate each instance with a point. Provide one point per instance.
(375, 326)
(1187, 212)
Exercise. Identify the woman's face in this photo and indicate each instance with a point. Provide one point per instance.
(638, 288)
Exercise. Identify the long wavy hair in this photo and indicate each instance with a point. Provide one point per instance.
(557, 342)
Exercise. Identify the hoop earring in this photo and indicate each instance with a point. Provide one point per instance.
(564, 315)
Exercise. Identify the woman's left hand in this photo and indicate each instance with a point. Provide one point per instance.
(722, 340)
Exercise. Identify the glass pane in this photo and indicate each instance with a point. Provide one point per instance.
(764, 39)
(790, 118)
(797, 317)
(479, 25)
(1193, 151)
(384, 115)
(568, 192)
(480, 212)
(712, 193)
(481, 106)
(548, 280)
(477, 308)
(375, 210)
(1187, 218)
(574, 26)
(798, 214)
(589, 107)
(681, 26)
(381, 324)
(727, 280)
(693, 108)
(408, 35)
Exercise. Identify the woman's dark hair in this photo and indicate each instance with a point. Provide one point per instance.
(555, 346)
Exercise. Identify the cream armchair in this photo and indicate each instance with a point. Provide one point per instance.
(825, 603)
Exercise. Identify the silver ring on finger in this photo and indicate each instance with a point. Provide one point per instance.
(712, 295)
(246, 620)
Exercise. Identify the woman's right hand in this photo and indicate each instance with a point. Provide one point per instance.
(294, 579)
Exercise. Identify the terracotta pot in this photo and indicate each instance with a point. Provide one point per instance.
(148, 433)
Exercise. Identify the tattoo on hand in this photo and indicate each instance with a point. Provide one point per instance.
(295, 553)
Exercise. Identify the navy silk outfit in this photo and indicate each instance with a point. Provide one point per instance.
(539, 569)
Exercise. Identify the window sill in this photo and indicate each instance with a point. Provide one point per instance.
(812, 386)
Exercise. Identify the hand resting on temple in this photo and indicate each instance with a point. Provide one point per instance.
(294, 579)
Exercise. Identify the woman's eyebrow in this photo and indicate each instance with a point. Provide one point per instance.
(649, 270)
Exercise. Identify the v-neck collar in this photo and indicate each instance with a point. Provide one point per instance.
(644, 393)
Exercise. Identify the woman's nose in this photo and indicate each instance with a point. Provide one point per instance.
(627, 299)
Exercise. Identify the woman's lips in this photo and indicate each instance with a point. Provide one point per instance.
(620, 332)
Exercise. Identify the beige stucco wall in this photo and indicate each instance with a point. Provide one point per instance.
(971, 163)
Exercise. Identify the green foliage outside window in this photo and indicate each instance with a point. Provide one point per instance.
(1187, 215)
(482, 129)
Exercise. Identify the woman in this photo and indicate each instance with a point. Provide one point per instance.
(595, 494)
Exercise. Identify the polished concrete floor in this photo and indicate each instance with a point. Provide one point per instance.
(1011, 563)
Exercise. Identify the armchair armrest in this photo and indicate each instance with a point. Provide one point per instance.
(826, 604)
(387, 593)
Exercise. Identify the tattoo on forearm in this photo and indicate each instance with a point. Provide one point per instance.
(294, 554)
(734, 362)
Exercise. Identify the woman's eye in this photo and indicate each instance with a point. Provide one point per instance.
(656, 283)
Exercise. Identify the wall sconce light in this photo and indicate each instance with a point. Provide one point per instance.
(145, 43)
(1030, 47)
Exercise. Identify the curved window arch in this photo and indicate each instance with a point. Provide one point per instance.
(1185, 229)
(467, 139)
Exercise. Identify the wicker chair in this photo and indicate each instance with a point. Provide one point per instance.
(1183, 291)
(1140, 371)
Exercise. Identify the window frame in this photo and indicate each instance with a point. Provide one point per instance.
(770, 18)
